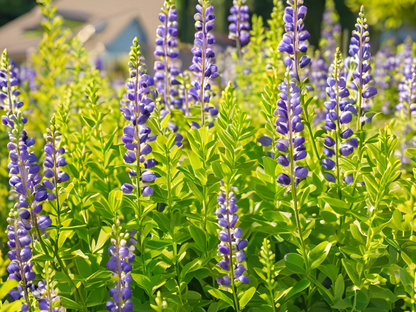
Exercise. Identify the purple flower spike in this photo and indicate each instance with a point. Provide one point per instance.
(338, 117)
(137, 106)
(25, 178)
(407, 88)
(289, 124)
(231, 246)
(203, 61)
(20, 255)
(239, 20)
(359, 50)
(294, 41)
(166, 70)
(120, 263)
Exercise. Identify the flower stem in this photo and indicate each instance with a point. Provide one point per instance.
(118, 271)
(204, 56)
(238, 40)
(166, 61)
(360, 69)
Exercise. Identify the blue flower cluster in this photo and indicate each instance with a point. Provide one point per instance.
(239, 22)
(359, 50)
(407, 88)
(120, 263)
(340, 112)
(330, 33)
(294, 41)
(203, 57)
(289, 124)
(47, 297)
(166, 52)
(23, 167)
(319, 75)
(231, 246)
(138, 105)
(20, 254)
(53, 161)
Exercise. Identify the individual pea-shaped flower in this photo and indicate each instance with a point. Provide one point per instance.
(294, 41)
(232, 246)
(137, 107)
(289, 124)
(239, 20)
(203, 56)
(338, 141)
(120, 263)
(166, 71)
(20, 254)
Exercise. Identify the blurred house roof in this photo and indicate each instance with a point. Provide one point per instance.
(104, 25)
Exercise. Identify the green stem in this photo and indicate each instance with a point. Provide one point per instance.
(118, 271)
(9, 91)
(321, 287)
(238, 41)
(166, 61)
(175, 256)
(203, 61)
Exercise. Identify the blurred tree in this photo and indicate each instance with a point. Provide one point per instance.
(10, 9)
(387, 14)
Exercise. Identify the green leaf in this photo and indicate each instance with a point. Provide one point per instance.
(247, 297)
(7, 286)
(162, 221)
(337, 205)
(411, 152)
(329, 216)
(319, 254)
(165, 121)
(339, 288)
(199, 237)
(143, 282)
(195, 191)
(295, 290)
(190, 267)
(88, 121)
(102, 239)
(220, 295)
(355, 231)
(269, 166)
(70, 304)
(362, 301)
(295, 263)
(12, 307)
(96, 297)
(115, 199)
(351, 268)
